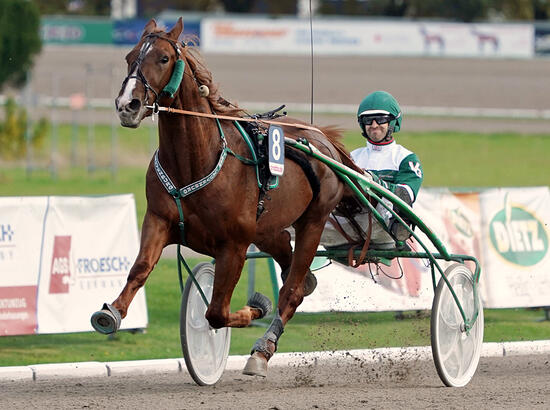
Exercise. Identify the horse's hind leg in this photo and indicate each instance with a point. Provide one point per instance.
(278, 246)
(154, 237)
(290, 296)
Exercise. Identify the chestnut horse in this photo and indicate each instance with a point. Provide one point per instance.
(220, 219)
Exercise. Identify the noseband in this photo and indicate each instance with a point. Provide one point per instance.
(175, 79)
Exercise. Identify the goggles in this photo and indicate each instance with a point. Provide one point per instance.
(380, 119)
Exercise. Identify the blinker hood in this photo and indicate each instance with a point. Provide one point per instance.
(175, 80)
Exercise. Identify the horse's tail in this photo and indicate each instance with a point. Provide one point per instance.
(334, 134)
(301, 159)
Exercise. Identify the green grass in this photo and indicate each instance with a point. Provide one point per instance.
(16, 182)
(455, 159)
(449, 159)
(305, 332)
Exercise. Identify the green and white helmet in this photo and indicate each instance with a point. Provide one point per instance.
(380, 103)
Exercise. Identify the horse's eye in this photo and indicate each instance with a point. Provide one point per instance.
(164, 59)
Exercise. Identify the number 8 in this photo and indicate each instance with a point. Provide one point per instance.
(276, 149)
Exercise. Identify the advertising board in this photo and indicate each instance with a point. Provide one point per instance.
(506, 229)
(61, 258)
(76, 31)
(366, 37)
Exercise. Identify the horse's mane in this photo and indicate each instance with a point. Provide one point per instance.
(334, 134)
(204, 77)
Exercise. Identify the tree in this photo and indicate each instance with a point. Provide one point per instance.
(15, 135)
(152, 7)
(542, 9)
(19, 39)
(516, 10)
(52, 7)
(79, 7)
(238, 6)
(458, 10)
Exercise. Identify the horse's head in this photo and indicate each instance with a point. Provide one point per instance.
(155, 70)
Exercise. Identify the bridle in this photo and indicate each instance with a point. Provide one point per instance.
(136, 66)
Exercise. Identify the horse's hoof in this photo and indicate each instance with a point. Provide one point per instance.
(310, 282)
(256, 365)
(107, 320)
(260, 302)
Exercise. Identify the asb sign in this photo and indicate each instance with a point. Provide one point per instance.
(60, 269)
(518, 235)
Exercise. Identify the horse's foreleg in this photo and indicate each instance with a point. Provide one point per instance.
(154, 237)
(229, 265)
(290, 297)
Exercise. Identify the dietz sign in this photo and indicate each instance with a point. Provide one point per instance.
(518, 235)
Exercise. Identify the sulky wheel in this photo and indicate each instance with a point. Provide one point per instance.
(456, 352)
(205, 350)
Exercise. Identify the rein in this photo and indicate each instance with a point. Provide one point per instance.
(156, 109)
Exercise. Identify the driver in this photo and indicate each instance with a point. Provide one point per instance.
(390, 164)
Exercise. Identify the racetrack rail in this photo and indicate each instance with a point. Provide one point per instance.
(236, 363)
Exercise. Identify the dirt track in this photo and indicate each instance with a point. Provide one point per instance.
(436, 82)
(509, 382)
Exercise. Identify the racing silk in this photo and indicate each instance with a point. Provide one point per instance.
(393, 164)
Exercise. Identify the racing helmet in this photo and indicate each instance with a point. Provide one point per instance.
(380, 103)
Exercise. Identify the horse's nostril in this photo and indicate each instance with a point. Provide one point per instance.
(134, 105)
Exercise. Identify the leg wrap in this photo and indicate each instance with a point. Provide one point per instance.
(275, 330)
(272, 334)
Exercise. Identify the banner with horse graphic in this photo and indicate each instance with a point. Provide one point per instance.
(356, 37)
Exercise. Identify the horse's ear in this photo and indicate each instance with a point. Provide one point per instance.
(149, 27)
(176, 30)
